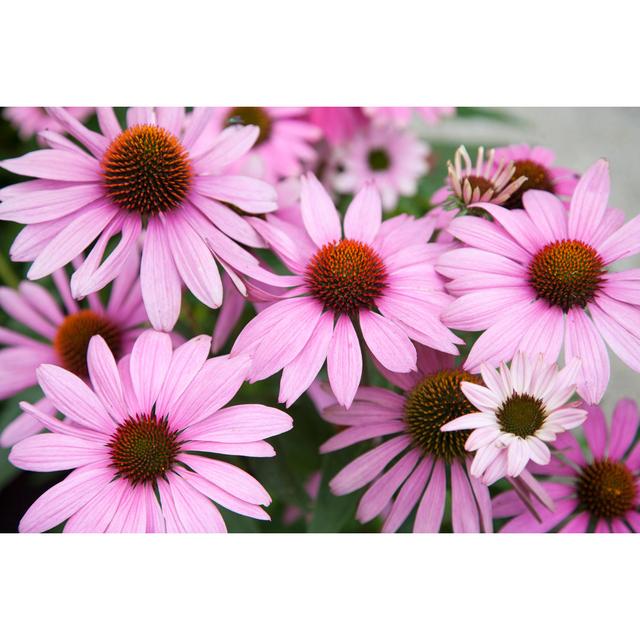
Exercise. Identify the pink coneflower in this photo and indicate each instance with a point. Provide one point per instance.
(392, 158)
(401, 116)
(30, 120)
(530, 277)
(537, 165)
(519, 410)
(284, 146)
(598, 492)
(136, 437)
(146, 174)
(406, 428)
(470, 184)
(337, 124)
(66, 331)
(377, 276)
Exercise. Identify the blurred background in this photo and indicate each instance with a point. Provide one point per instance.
(579, 136)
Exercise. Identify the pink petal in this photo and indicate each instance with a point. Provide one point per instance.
(359, 433)
(108, 122)
(96, 515)
(364, 215)
(74, 398)
(229, 477)
(624, 425)
(55, 452)
(159, 279)
(389, 344)
(431, 508)
(65, 498)
(186, 362)
(105, 379)
(595, 430)
(285, 340)
(584, 342)
(589, 201)
(548, 212)
(241, 423)
(195, 262)
(298, 374)
(150, 359)
(407, 497)
(464, 511)
(84, 227)
(214, 385)
(248, 194)
(344, 361)
(623, 243)
(624, 344)
(25, 425)
(319, 214)
(381, 491)
(54, 164)
(195, 512)
(367, 466)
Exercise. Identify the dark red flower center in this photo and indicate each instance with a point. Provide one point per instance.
(72, 339)
(147, 170)
(379, 159)
(144, 448)
(346, 276)
(522, 415)
(433, 402)
(607, 489)
(252, 115)
(537, 178)
(566, 273)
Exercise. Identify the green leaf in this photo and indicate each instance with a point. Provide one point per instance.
(332, 513)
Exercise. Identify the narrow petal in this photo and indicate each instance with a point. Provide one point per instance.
(465, 517)
(431, 508)
(589, 201)
(65, 498)
(388, 343)
(319, 214)
(105, 379)
(624, 425)
(150, 359)
(159, 279)
(344, 361)
(364, 215)
(56, 452)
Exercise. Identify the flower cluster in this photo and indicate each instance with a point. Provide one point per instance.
(450, 343)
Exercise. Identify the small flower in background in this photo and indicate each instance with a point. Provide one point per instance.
(537, 165)
(529, 278)
(469, 185)
(341, 279)
(31, 120)
(67, 330)
(284, 146)
(394, 159)
(520, 409)
(146, 174)
(135, 440)
(594, 492)
(338, 124)
(401, 116)
(407, 428)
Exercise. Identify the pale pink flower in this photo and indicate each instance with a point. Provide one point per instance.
(520, 410)
(135, 440)
(392, 158)
(401, 116)
(285, 145)
(64, 332)
(412, 462)
(146, 174)
(338, 124)
(31, 120)
(377, 276)
(538, 279)
(594, 492)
